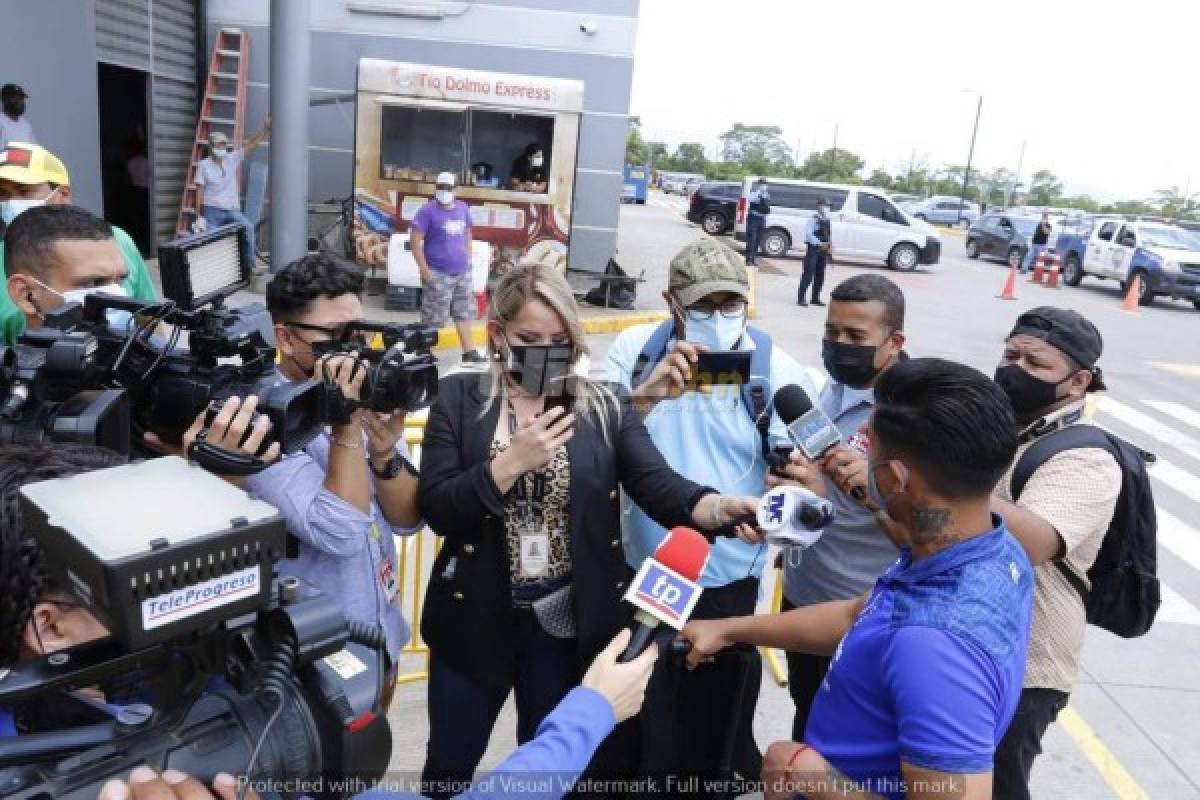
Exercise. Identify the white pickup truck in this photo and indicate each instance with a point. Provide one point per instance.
(1166, 257)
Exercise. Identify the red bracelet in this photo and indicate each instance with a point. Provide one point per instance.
(796, 755)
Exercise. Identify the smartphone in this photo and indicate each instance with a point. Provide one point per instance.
(722, 367)
(560, 395)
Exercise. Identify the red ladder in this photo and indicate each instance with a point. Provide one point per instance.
(223, 110)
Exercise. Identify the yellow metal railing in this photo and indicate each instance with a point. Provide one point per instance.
(416, 554)
(778, 670)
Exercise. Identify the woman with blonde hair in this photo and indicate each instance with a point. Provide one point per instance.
(520, 471)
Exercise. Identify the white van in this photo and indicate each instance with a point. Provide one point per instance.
(865, 224)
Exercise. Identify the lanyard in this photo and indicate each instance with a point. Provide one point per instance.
(530, 489)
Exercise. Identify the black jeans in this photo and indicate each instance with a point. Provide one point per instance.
(463, 711)
(688, 724)
(754, 229)
(1022, 742)
(805, 674)
(814, 273)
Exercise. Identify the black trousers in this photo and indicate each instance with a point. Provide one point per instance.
(754, 229)
(805, 674)
(1022, 743)
(814, 273)
(688, 720)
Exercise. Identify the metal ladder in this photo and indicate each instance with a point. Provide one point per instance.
(223, 110)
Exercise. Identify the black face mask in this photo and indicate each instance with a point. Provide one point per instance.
(1027, 393)
(14, 108)
(851, 364)
(539, 368)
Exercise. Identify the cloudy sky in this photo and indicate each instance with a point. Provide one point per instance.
(1103, 94)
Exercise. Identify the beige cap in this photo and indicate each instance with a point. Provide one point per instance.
(705, 267)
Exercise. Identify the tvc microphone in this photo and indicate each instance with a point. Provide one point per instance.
(808, 426)
(792, 516)
(665, 589)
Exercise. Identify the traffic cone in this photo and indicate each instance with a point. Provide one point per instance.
(1009, 292)
(1039, 269)
(1052, 279)
(1131, 296)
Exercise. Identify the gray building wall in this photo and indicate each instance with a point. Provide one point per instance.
(533, 37)
(49, 48)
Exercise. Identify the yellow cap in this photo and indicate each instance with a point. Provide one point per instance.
(30, 164)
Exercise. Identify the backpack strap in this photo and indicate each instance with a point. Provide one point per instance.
(654, 351)
(1072, 437)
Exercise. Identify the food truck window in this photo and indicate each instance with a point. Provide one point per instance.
(418, 143)
(498, 138)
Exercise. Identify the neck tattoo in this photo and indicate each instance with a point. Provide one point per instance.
(930, 527)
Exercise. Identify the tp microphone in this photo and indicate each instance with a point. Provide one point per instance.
(665, 589)
(792, 516)
(807, 426)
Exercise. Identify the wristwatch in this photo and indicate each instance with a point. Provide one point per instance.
(393, 467)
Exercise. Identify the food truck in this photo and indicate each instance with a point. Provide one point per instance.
(414, 121)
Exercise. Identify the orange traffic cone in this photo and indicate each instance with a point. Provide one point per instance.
(1039, 269)
(1009, 292)
(1052, 278)
(1131, 296)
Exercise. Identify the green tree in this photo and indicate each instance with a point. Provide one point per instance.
(759, 149)
(1000, 180)
(1129, 207)
(1082, 202)
(880, 178)
(1044, 188)
(658, 157)
(689, 157)
(840, 166)
(1171, 202)
(635, 145)
(915, 180)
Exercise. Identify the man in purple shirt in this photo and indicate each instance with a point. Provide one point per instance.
(440, 236)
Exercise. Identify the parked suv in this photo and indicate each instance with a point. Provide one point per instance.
(1003, 236)
(865, 224)
(714, 206)
(945, 211)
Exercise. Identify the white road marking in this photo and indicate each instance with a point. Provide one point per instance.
(1150, 426)
(1178, 479)
(1180, 412)
(1177, 536)
(1176, 609)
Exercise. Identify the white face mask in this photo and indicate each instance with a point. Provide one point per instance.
(536, 161)
(444, 196)
(220, 151)
(11, 209)
(719, 332)
(118, 319)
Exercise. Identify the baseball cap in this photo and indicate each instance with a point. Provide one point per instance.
(446, 179)
(1067, 330)
(12, 90)
(31, 163)
(704, 267)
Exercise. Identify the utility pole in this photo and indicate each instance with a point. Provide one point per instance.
(833, 153)
(970, 156)
(1017, 177)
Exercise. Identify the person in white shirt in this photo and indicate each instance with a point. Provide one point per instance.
(14, 127)
(218, 190)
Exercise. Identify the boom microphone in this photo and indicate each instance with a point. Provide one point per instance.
(808, 426)
(665, 589)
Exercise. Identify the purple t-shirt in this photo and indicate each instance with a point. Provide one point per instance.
(445, 231)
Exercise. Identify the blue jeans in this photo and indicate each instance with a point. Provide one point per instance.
(1031, 255)
(463, 711)
(754, 228)
(216, 217)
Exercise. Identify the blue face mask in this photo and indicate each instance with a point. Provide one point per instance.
(718, 332)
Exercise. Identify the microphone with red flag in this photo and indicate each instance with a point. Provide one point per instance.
(666, 588)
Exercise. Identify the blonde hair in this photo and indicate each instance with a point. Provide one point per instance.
(521, 285)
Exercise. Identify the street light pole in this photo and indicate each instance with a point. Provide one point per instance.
(970, 156)
(833, 153)
(1012, 186)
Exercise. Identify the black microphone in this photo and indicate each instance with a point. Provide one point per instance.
(808, 426)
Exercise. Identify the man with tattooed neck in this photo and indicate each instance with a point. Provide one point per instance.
(927, 666)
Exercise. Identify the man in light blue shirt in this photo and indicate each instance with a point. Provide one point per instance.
(710, 436)
(818, 241)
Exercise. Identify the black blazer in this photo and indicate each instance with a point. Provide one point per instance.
(468, 615)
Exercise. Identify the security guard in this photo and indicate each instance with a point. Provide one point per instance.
(819, 241)
(756, 219)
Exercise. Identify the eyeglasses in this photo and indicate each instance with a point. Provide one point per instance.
(729, 309)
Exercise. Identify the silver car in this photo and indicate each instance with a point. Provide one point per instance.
(946, 211)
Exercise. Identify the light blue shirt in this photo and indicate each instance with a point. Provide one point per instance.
(810, 231)
(345, 553)
(708, 439)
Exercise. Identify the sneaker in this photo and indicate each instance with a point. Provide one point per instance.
(802, 303)
(474, 358)
(817, 303)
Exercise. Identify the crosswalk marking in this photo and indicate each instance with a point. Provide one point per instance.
(1175, 608)
(1177, 536)
(1182, 370)
(1180, 412)
(1178, 479)
(1150, 426)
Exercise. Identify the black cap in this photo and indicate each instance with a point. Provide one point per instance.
(823, 201)
(11, 90)
(1067, 330)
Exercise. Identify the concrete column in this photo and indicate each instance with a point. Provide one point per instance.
(289, 130)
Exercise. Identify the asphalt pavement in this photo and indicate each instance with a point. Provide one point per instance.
(1134, 719)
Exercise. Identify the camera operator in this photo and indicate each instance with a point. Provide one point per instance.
(38, 616)
(350, 491)
(56, 254)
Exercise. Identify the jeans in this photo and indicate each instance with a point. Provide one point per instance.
(754, 227)
(1031, 256)
(1022, 742)
(814, 273)
(463, 711)
(216, 217)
